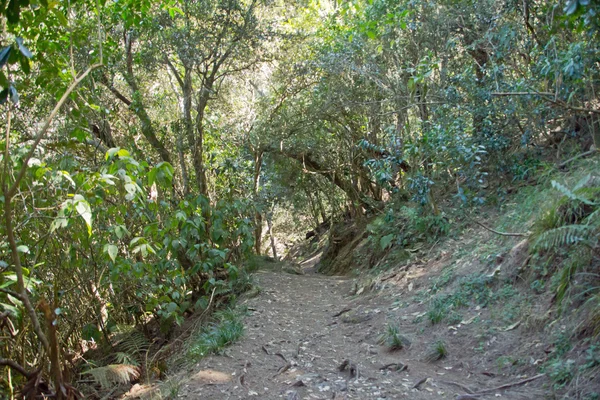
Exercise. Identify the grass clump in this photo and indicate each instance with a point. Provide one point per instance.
(472, 289)
(437, 352)
(437, 310)
(212, 339)
(393, 339)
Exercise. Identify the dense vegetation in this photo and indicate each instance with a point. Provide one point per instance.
(145, 144)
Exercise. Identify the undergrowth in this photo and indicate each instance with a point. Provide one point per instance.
(212, 339)
(393, 339)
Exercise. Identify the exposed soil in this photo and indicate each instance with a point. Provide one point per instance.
(302, 328)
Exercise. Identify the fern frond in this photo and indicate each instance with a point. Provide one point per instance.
(593, 219)
(126, 358)
(583, 182)
(132, 343)
(571, 194)
(113, 374)
(563, 236)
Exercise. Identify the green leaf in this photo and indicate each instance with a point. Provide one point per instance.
(121, 231)
(24, 50)
(84, 210)
(3, 96)
(123, 153)
(4, 54)
(79, 134)
(571, 7)
(91, 332)
(172, 307)
(112, 251)
(173, 10)
(67, 176)
(61, 17)
(23, 249)
(13, 11)
(385, 241)
(25, 66)
(3, 80)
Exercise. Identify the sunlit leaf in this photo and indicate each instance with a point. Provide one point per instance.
(84, 210)
(112, 251)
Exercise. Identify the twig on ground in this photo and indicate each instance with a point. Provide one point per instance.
(500, 233)
(345, 310)
(418, 384)
(460, 385)
(283, 369)
(499, 388)
(398, 367)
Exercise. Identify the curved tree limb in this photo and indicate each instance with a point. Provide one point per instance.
(15, 366)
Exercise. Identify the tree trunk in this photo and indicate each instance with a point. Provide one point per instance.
(320, 205)
(480, 56)
(313, 207)
(258, 220)
(198, 149)
(184, 174)
(187, 108)
(270, 231)
(137, 106)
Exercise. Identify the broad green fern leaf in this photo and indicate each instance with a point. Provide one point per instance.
(571, 194)
(563, 236)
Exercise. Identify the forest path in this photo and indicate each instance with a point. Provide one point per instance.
(299, 330)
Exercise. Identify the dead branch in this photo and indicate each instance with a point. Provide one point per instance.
(501, 233)
(499, 388)
(15, 366)
(577, 157)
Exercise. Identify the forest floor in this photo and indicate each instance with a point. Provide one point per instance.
(308, 337)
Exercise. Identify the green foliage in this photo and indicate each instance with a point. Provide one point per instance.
(563, 236)
(405, 227)
(437, 351)
(561, 372)
(140, 204)
(437, 311)
(393, 339)
(213, 338)
(570, 230)
(471, 290)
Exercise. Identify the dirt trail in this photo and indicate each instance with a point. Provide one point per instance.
(294, 345)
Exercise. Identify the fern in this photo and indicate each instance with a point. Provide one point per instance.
(132, 343)
(593, 219)
(563, 236)
(571, 193)
(114, 374)
(126, 358)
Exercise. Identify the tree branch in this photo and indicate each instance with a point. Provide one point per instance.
(500, 233)
(544, 96)
(17, 367)
(114, 90)
(174, 70)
